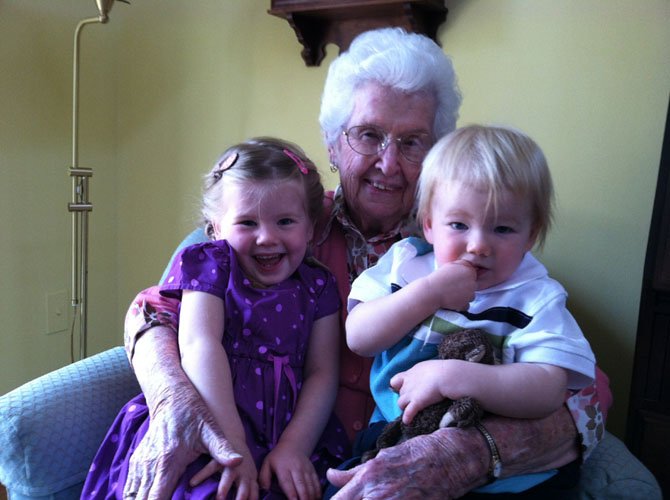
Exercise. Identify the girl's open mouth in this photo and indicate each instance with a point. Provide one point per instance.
(268, 261)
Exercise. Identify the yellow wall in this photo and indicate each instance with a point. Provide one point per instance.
(167, 84)
(35, 152)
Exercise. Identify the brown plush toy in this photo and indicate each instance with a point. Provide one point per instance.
(469, 345)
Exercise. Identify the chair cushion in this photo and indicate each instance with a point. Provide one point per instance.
(51, 427)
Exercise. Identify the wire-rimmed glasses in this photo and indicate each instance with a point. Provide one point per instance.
(368, 140)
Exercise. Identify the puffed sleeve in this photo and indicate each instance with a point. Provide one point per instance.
(589, 408)
(203, 267)
(148, 310)
(328, 298)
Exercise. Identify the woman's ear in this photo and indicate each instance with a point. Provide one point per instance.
(334, 153)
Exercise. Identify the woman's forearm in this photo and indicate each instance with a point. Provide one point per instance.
(534, 445)
(181, 427)
(452, 461)
(157, 365)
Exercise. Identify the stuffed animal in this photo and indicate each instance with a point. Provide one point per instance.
(469, 345)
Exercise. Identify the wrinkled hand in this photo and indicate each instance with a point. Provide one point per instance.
(446, 465)
(181, 429)
(294, 471)
(420, 386)
(455, 284)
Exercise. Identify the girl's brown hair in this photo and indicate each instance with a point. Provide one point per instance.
(261, 159)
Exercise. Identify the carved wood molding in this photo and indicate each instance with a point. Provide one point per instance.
(319, 22)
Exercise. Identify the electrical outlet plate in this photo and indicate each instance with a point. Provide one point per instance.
(57, 311)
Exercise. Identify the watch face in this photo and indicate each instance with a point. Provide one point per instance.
(497, 469)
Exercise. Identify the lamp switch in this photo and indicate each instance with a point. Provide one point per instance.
(57, 311)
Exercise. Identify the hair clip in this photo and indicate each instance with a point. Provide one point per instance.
(228, 162)
(299, 163)
(224, 165)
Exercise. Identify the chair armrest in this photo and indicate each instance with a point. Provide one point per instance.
(612, 471)
(51, 427)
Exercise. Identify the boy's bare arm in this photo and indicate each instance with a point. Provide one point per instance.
(378, 324)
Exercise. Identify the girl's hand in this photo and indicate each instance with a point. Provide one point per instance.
(294, 471)
(455, 284)
(243, 475)
(421, 386)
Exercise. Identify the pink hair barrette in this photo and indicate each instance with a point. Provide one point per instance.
(298, 161)
(224, 165)
(228, 162)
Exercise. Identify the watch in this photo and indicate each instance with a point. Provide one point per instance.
(495, 470)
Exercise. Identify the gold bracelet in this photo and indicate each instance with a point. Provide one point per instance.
(495, 470)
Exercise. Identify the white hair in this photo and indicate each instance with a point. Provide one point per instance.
(392, 57)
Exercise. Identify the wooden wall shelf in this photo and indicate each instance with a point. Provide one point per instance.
(319, 22)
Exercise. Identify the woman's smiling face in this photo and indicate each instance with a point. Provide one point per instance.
(379, 189)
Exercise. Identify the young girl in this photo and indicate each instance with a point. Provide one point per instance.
(258, 334)
(484, 201)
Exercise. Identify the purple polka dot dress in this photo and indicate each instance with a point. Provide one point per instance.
(266, 337)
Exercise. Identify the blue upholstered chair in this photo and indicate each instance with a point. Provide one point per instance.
(50, 429)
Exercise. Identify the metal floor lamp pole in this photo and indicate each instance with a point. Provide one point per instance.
(80, 206)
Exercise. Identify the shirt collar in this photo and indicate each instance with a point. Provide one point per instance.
(404, 228)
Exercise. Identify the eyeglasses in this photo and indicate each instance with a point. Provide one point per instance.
(368, 140)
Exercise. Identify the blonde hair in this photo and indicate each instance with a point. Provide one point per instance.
(493, 159)
(261, 159)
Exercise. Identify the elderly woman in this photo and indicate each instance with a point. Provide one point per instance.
(385, 102)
